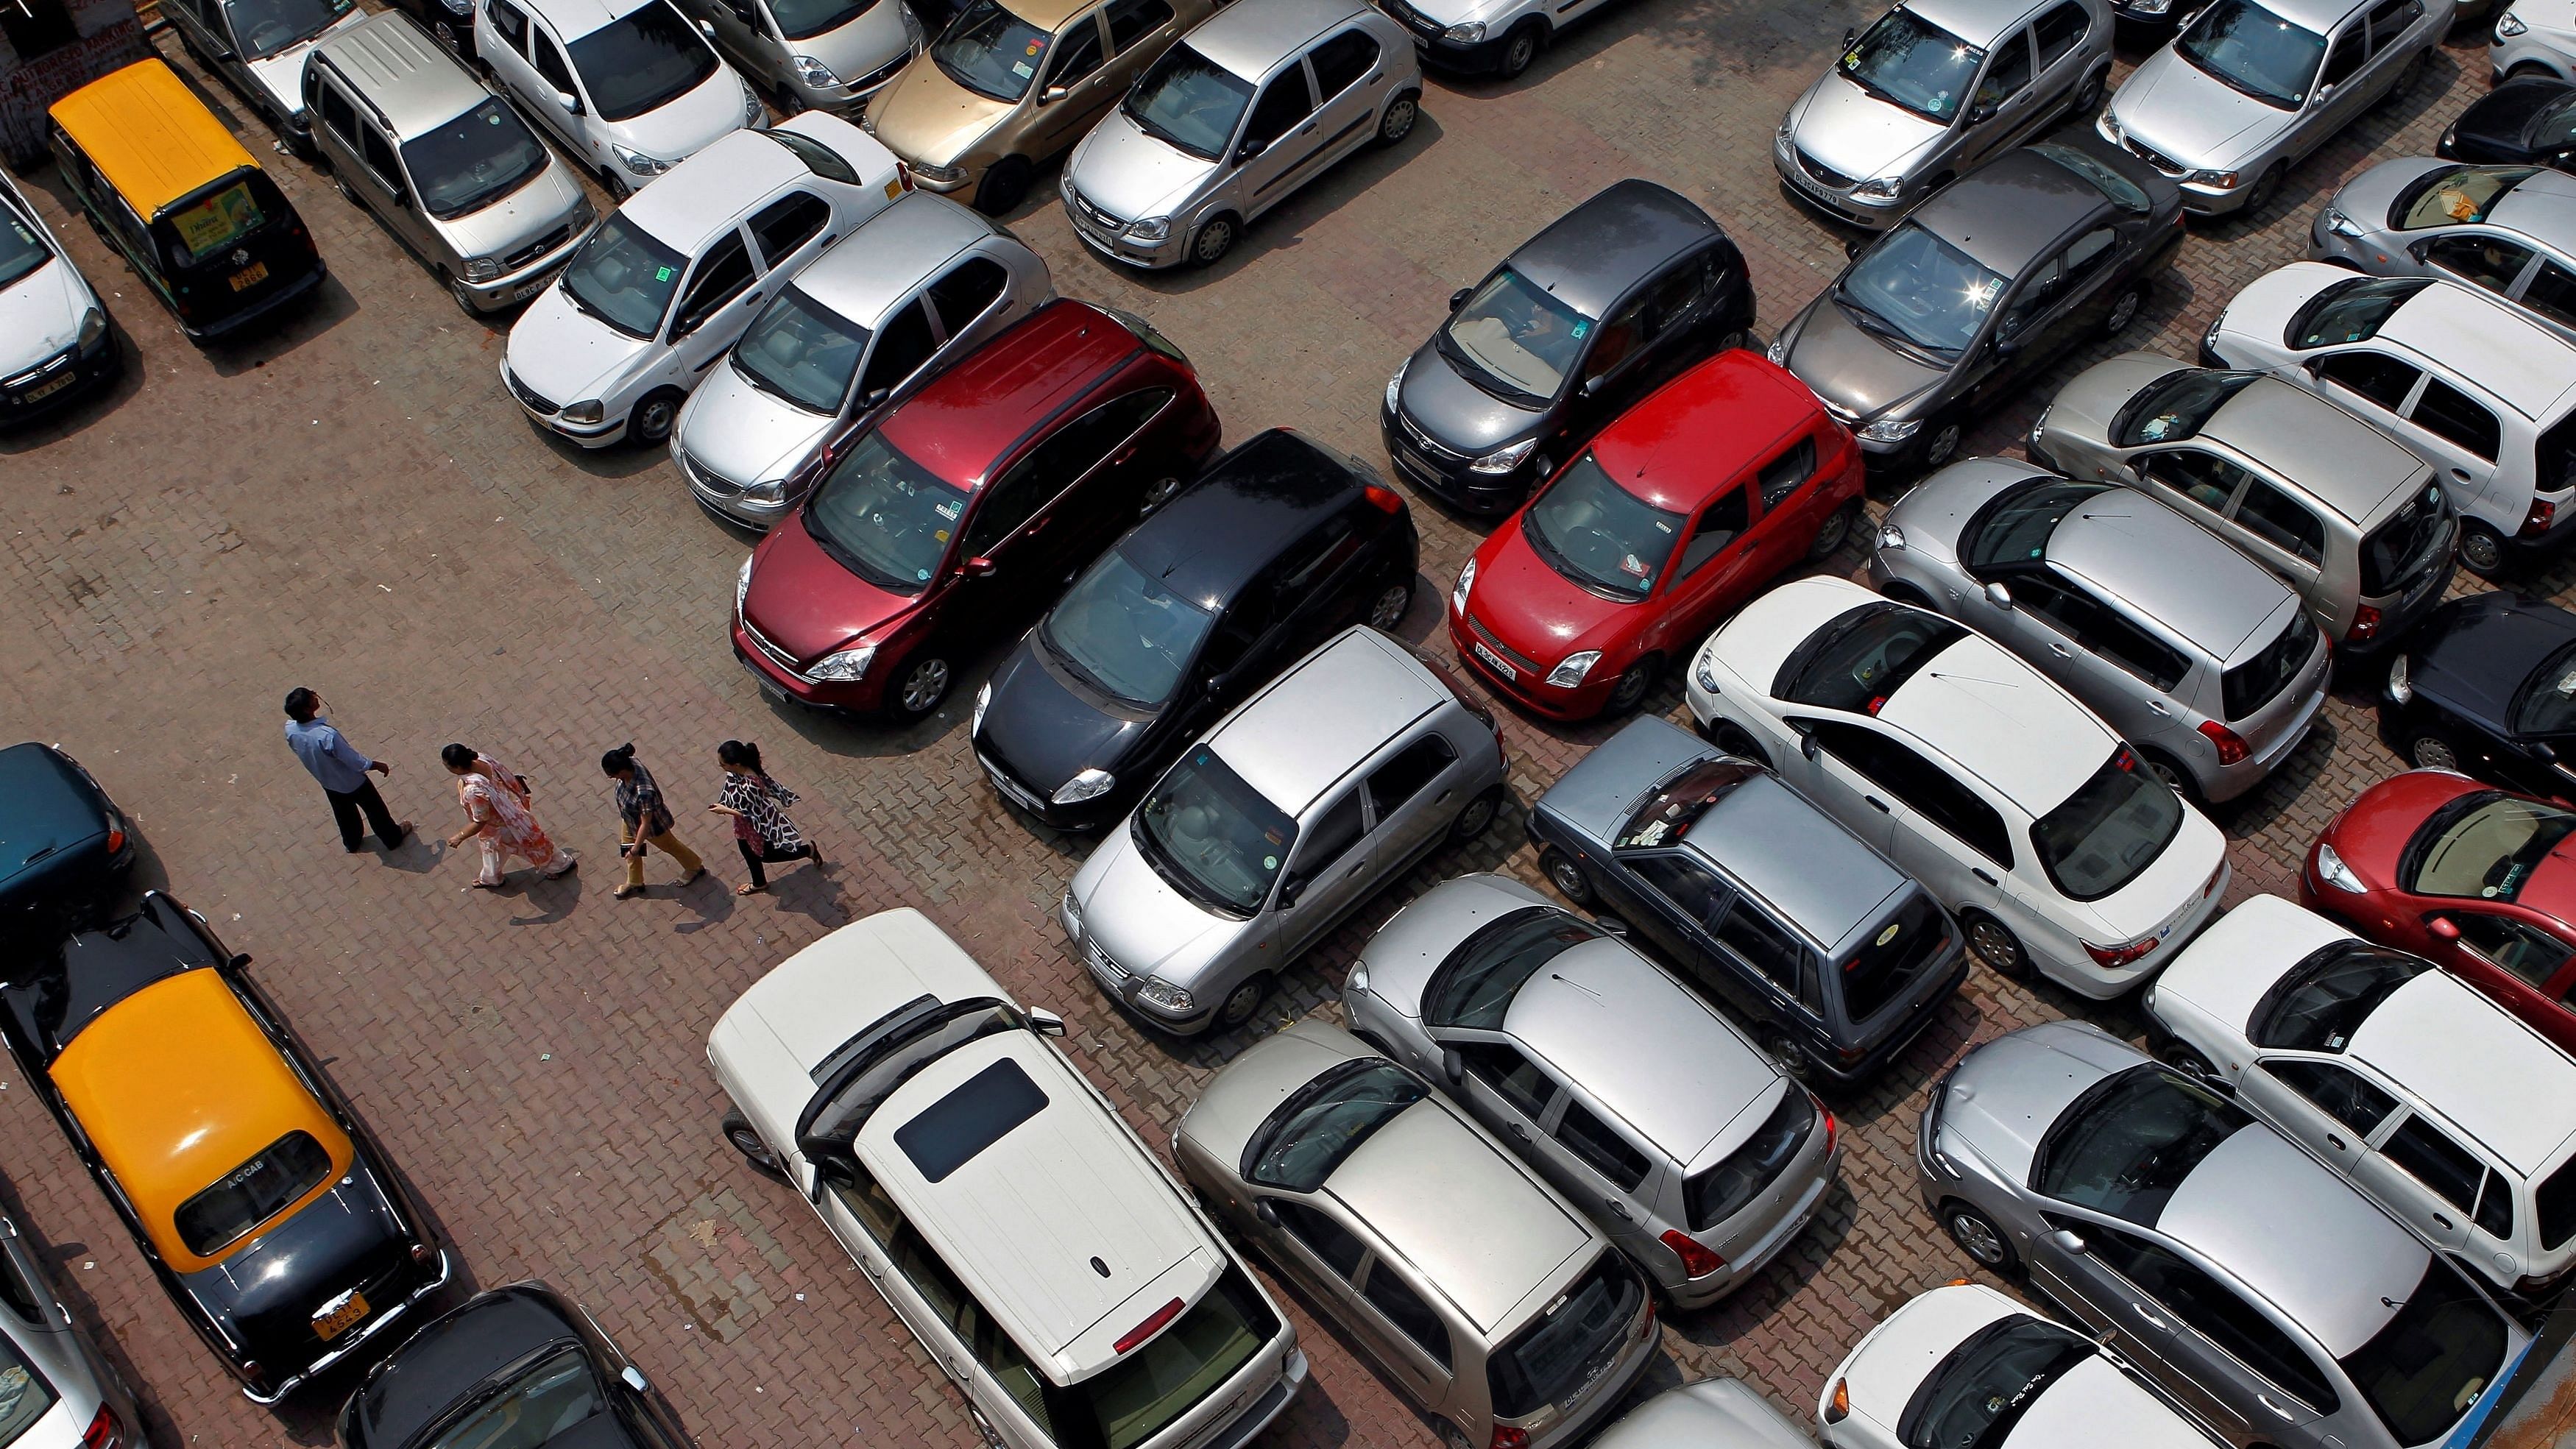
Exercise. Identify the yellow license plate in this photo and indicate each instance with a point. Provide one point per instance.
(250, 276)
(50, 388)
(340, 1316)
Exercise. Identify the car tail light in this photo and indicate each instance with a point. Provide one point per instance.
(1697, 1260)
(1833, 1129)
(2114, 957)
(1507, 1437)
(2231, 750)
(103, 1432)
(1838, 1408)
(1149, 1327)
(2365, 625)
(115, 839)
(903, 176)
(1383, 498)
(422, 1252)
(1877, 702)
(2537, 521)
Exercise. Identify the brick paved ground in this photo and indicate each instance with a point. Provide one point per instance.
(354, 505)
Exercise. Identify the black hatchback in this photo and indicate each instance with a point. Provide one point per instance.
(515, 1366)
(63, 844)
(1612, 300)
(2525, 120)
(2486, 685)
(1278, 546)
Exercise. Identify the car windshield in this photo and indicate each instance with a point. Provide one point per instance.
(25, 1397)
(991, 51)
(885, 517)
(2319, 1003)
(1908, 61)
(1213, 836)
(2435, 1356)
(2249, 686)
(22, 247)
(473, 161)
(1878, 973)
(2547, 705)
(1326, 1120)
(262, 28)
(2249, 49)
(2552, 126)
(801, 352)
(1976, 1394)
(2128, 1143)
(1475, 986)
(1514, 340)
(1859, 658)
(2485, 845)
(2106, 178)
(2176, 406)
(1720, 1192)
(1599, 535)
(2109, 831)
(2352, 311)
(2411, 539)
(624, 276)
(1189, 101)
(805, 19)
(1125, 634)
(1574, 1339)
(1172, 1373)
(646, 58)
(252, 1193)
(2016, 526)
(1671, 808)
(537, 1408)
(1918, 289)
(2455, 195)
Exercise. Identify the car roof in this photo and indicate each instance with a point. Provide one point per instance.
(2003, 721)
(2318, 15)
(1801, 861)
(2170, 569)
(149, 135)
(1251, 39)
(2471, 1060)
(1594, 254)
(1247, 509)
(710, 190)
(2541, 205)
(2010, 211)
(1320, 720)
(1978, 22)
(1704, 429)
(968, 418)
(51, 804)
(885, 257)
(413, 82)
(814, 1002)
(573, 19)
(453, 1355)
(1046, 14)
(2522, 364)
(2336, 458)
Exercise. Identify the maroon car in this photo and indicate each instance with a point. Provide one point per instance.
(966, 507)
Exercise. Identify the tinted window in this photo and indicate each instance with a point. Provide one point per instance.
(2485, 261)
(539, 1407)
(379, 155)
(25, 1397)
(2374, 376)
(251, 1194)
(2395, 549)
(552, 65)
(2009, 72)
(963, 294)
(788, 223)
(2015, 527)
(1976, 1394)
(1599, 535)
(2556, 1199)
(1511, 1076)
(1342, 60)
(993, 52)
(474, 160)
(1131, 20)
(2127, 1144)
(641, 61)
(2061, 30)
(2088, 254)
(1616, 341)
(2282, 521)
(1212, 835)
(2495, 1208)
(2251, 50)
(1326, 1239)
(2205, 478)
(2109, 831)
(1287, 101)
(1174, 1372)
(1722, 523)
(509, 20)
(1330, 834)
(2552, 294)
(1892, 957)
(801, 352)
(1577, 1334)
(1722, 1191)
(1398, 780)
(1857, 660)
(1763, 944)
(2217, 1314)
(2350, 49)
(336, 112)
(1603, 1150)
(1077, 53)
(1475, 986)
(1691, 888)
(2448, 413)
(2258, 681)
(1189, 101)
(975, 1114)
(1674, 806)
(1405, 1309)
(2528, 953)
(20, 1296)
(2344, 1095)
(1925, 787)
(1326, 1120)
(1781, 476)
(2350, 311)
(2176, 406)
(2433, 1159)
(1913, 63)
(820, 159)
(2437, 1354)
(902, 347)
(2324, 999)
(720, 278)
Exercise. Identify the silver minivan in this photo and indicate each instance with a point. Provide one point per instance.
(812, 55)
(449, 167)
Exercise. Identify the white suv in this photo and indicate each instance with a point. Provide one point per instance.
(2018, 807)
(2430, 1097)
(669, 281)
(1047, 1261)
(629, 87)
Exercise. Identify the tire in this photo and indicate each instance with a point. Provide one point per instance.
(1568, 877)
(1396, 121)
(1158, 493)
(1242, 1001)
(1004, 183)
(1979, 1238)
(614, 183)
(1477, 816)
(1451, 1436)
(2530, 67)
(2266, 186)
(1520, 48)
(1940, 443)
(655, 416)
(1833, 533)
(1635, 683)
(2432, 752)
(1993, 942)
(918, 685)
(2088, 96)
(1793, 1058)
(1216, 236)
(740, 1136)
(1730, 341)
(2177, 779)
(1393, 601)
(1729, 736)
(348, 194)
(1905, 593)
(464, 298)
(785, 101)
(2180, 1056)
(2481, 549)
(2408, 79)
(2125, 308)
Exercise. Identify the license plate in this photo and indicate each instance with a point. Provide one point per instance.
(1495, 661)
(340, 1315)
(250, 276)
(50, 388)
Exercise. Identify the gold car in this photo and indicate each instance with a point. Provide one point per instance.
(1006, 85)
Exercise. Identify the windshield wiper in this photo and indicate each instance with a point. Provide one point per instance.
(1163, 134)
(1869, 321)
(1485, 381)
(2240, 85)
(1178, 879)
(744, 371)
(963, 79)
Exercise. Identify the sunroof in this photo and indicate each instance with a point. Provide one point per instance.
(978, 1113)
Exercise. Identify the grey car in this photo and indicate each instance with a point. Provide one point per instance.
(2194, 652)
(55, 1391)
(2265, 1294)
(1479, 1293)
(2508, 230)
(1984, 283)
(1708, 1414)
(1683, 1140)
(258, 47)
(2247, 87)
(1930, 89)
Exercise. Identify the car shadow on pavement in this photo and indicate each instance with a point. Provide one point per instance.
(66, 1263)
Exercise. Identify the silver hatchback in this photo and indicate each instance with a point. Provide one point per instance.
(55, 1390)
(2508, 230)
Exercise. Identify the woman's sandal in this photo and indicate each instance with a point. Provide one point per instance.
(692, 878)
(622, 892)
(748, 889)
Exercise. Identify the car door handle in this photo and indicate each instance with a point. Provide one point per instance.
(2266, 1401)
(2335, 1142)
(1618, 1209)
(2445, 1222)
(1876, 803)
(2148, 1315)
(1518, 1133)
(2460, 473)
(2061, 651)
(1980, 874)
(2158, 706)
(1356, 867)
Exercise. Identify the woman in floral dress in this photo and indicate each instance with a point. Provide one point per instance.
(495, 800)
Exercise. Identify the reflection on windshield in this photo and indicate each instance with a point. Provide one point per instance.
(1981, 1391)
(1518, 340)
(25, 1397)
(473, 161)
(2250, 49)
(1214, 835)
(2132, 1141)
(22, 247)
(2548, 705)
(262, 28)
(2436, 1355)
(646, 59)
(1600, 535)
(1927, 290)
(1125, 633)
(1328, 1119)
(1475, 986)
(1189, 101)
(805, 19)
(624, 276)
(2553, 126)
(1916, 64)
(990, 51)
(2490, 851)
(802, 351)
(2109, 831)
(2016, 527)
(885, 516)
(2458, 195)
(2176, 406)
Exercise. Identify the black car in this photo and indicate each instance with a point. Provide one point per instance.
(63, 844)
(2529, 119)
(1612, 300)
(1277, 547)
(2487, 686)
(515, 1366)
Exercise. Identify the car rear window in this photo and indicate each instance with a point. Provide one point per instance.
(2556, 1197)
(2259, 680)
(2352, 311)
(978, 1112)
(1882, 968)
(2396, 550)
(2128, 1143)
(25, 1397)
(2437, 1353)
(2109, 831)
(1722, 1191)
(1975, 1396)
(1164, 1378)
(2324, 999)
(1574, 1336)
(252, 1193)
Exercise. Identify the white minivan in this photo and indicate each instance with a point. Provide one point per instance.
(629, 88)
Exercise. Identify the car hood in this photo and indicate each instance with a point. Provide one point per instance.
(924, 116)
(446, 1361)
(266, 1291)
(41, 314)
(744, 434)
(1405, 952)
(2472, 655)
(1852, 371)
(1127, 173)
(2260, 312)
(2372, 833)
(1596, 795)
(1456, 413)
(543, 202)
(2005, 1095)
(866, 44)
(1934, 511)
(282, 75)
(678, 128)
(1856, 133)
(1131, 912)
(567, 355)
(2190, 115)
(1048, 727)
(802, 600)
(2367, 198)
(1537, 611)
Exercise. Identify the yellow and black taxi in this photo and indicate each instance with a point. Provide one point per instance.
(192, 212)
(265, 1207)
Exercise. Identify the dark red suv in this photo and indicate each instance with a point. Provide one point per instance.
(966, 507)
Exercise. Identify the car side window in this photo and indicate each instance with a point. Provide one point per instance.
(1510, 1074)
(1132, 20)
(2007, 72)
(2215, 1312)
(1287, 101)
(2526, 951)
(378, 153)
(1749, 934)
(1341, 61)
(1925, 787)
(788, 223)
(2102, 630)
(931, 1278)
(1400, 779)
(2452, 415)
(1601, 1149)
(2390, 18)
(1304, 568)
(1721, 523)
(510, 21)
(2494, 1216)
(2062, 607)
(2205, 478)
(2089, 254)
(1077, 52)
(962, 295)
(2037, 293)
(1010, 1368)
(902, 346)
(1004, 505)
(1675, 295)
(1617, 341)
(867, 1202)
(2373, 376)
(2428, 1155)
(1692, 888)
(335, 110)
(550, 62)
(1329, 1241)
(2282, 521)
(2339, 1092)
(2350, 49)
(1331, 835)
(2061, 30)
(20, 1296)
(2488, 261)
(722, 275)
(1783, 475)
(1071, 452)
(1404, 1308)
(2552, 294)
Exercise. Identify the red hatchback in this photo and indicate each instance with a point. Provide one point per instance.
(967, 506)
(2481, 882)
(1678, 512)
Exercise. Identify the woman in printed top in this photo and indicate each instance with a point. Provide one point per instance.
(758, 805)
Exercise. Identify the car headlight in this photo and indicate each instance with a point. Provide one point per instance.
(1150, 229)
(1164, 994)
(638, 162)
(742, 586)
(928, 172)
(1787, 125)
(1890, 536)
(1570, 672)
(1089, 785)
(2332, 870)
(1357, 980)
(1704, 669)
(1467, 34)
(1395, 384)
(1458, 590)
(2401, 683)
(2510, 25)
(753, 112)
(1879, 188)
(2223, 180)
(2209, 337)
(767, 490)
(1892, 430)
(847, 667)
(1071, 910)
(2109, 126)
(1504, 460)
(983, 701)
(588, 410)
(2340, 224)
(93, 329)
(2039, 426)
(583, 213)
(482, 269)
(1778, 351)
(813, 72)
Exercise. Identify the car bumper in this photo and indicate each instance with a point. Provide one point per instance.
(1701, 1292)
(782, 685)
(850, 97)
(2396, 619)
(1840, 204)
(1122, 987)
(58, 382)
(725, 498)
(374, 1326)
(610, 429)
(1525, 683)
(2096, 982)
(1096, 813)
(243, 320)
(2227, 782)
(519, 285)
(1447, 478)
(1119, 247)
(1432, 45)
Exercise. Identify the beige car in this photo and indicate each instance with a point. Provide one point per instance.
(1009, 83)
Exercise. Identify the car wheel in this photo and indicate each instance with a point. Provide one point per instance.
(1396, 121)
(1451, 1436)
(1216, 238)
(1390, 606)
(2266, 187)
(738, 1132)
(340, 184)
(1566, 876)
(1158, 493)
(1979, 1238)
(1242, 1001)
(918, 685)
(2177, 779)
(2481, 549)
(1940, 443)
(2124, 309)
(2088, 96)
(1729, 736)
(2432, 752)
(615, 184)
(1522, 48)
(1905, 593)
(1635, 683)
(653, 418)
(1793, 1058)
(1478, 817)
(1730, 341)
(1997, 946)
(1832, 533)
(1005, 182)
(786, 101)
(2180, 1056)
(2409, 78)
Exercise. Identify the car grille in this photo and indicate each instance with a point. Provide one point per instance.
(775, 655)
(1517, 659)
(530, 396)
(1423, 441)
(41, 372)
(699, 478)
(537, 248)
(1088, 210)
(1412, 19)
(2152, 156)
(883, 73)
(1825, 175)
(1109, 970)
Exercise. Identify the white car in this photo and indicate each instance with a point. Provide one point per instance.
(2015, 805)
(1046, 1260)
(1709, 1414)
(2422, 1091)
(55, 344)
(629, 88)
(2534, 37)
(1964, 1367)
(672, 278)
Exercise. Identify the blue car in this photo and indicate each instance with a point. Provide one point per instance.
(63, 843)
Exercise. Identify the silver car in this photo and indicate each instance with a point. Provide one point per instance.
(55, 1391)
(2250, 86)
(2508, 230)
(2263, 1293)
(1254, 103)
(818, 55)
(1709, 1414)
(1676, 1134)
(1932, 88)
(1469, 1282)
(884, 309)
(1296, 808)
(2204, 659)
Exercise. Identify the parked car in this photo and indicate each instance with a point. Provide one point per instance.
(628, 88)
(2476, 879)
(1681, 509)
(2251, 1284)
(66, 844)
(976, 118)
(2059, 849)
(661, 289)
(2248, 87)
(2353, 520)
(1759, 900)
(965, 509)
(2509, 231)
(2484, 394)
(1619, 1086)
(1932, 88)
(258, 48)
(61, 347)
(508, 1366)
(447, 166)
(2327, 1037)
(1483, 37)
(1286, 816)
(1279, 546)
(1461, 1275)
(273, 1219)
(1706, 1414)
(1964, 1365)
(1014, 1222)
(2488, 687)
(56, 1392)
(813, 55)
(2188, 648)
(880, 311)
(1989, 280)
(2533, 38)
(2529, 119)
(1597, 310)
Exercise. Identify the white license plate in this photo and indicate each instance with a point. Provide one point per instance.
(1495, 662)
(49, 389)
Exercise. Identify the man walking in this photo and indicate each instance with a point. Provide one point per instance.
(342, 773)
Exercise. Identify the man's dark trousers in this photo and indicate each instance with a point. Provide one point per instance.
(345, 808)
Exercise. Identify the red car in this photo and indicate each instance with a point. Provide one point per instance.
(2479, 881)
(1679, 511)
(966, 507)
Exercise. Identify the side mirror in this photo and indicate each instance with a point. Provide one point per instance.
(1218, 682)
(1045, 1022)
(1612, 925)
(978, 567)
(2442, 928)
(1850, 34)
(876, 397)
(240, 960)
(217, 50)
(1852, 246)
(1592, 384)
(707, 27)
(1290, 889)
(1269, 1215)
(1458, 299)
(1999, 596)
(1053, 94)
(2066, 1240)
(633, 1378)
(1807, 745)
(1453, 1067)
(1247, 151)
(1980, 113)
(571, 104)
(2544, 752)
(835, 1169)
